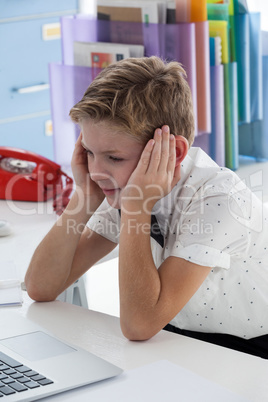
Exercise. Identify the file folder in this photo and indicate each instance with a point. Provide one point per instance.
(253, 137)
(217, 136)
(256, 64)
(68, 84)
(243, 66)
(231, 115)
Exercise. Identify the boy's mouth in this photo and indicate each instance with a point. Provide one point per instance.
(110, 191)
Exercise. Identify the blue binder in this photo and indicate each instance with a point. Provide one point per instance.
(253, 137)
(243, 66)
(256, 87)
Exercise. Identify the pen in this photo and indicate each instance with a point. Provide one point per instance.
(9, 283)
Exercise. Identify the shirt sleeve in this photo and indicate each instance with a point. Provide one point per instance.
(106, 222)
(214, 229)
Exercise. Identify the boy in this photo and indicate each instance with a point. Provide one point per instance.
(192, 238)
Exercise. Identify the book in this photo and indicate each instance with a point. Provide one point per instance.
(149, 11)
(101, 54)
(171, 12)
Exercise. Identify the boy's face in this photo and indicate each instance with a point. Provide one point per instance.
(112, 157)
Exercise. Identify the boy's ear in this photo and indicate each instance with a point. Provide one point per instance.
(182, 147)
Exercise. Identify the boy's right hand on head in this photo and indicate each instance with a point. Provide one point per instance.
(82, 175)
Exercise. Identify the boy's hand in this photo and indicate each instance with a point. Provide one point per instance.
(155, 175)
(81, 174)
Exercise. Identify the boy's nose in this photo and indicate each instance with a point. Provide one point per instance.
(97, 172)
(99, 176)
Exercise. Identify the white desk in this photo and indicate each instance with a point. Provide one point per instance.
(100, 334)
(30, 222)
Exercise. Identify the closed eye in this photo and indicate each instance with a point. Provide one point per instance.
(88, 152)
(114, 159)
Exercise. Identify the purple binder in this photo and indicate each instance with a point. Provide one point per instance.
(217, 137)
(68, 84)
(169, 41)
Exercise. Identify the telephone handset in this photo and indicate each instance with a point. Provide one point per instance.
(26, 176)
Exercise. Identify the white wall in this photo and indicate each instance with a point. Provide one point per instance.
(262, 6)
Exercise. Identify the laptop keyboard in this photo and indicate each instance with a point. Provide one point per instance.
(15, 377)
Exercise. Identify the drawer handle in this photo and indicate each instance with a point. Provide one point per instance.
(33, 88)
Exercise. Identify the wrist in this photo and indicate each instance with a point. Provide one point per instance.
(135, 223)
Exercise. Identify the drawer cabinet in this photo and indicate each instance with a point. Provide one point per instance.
(29, 41)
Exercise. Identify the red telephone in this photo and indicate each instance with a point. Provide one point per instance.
(25, 176)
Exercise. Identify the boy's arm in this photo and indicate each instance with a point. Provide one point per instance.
(150, 298)
(70, 248)
(66, 252)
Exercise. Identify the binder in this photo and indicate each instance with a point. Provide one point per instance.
(68, 85)
(220, 28)
(203, 77)
(183, 11)
(80, 28)
(253, 137)
(218, 12)
(217, 136)
(163, 40)
(212, 51)
(256, 64)
(198, 10)
(174, 47)
(240, 6)
(240, 79)
(231, 115)
(195, 11)
(243, 66)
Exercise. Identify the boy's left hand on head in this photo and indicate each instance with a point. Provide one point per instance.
(155, 175)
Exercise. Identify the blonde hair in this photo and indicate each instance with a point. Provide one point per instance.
(138, 95)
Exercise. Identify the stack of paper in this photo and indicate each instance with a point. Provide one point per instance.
(10, 285)
(149, 11)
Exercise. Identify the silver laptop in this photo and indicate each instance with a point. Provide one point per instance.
(35, 364)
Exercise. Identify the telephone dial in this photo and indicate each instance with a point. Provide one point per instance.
(26, 176)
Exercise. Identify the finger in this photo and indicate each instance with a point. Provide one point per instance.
(172, 155)
(156, 152)
(78, 145)
(145, 158)
(79, 139)
(79, 154)
(164, 149)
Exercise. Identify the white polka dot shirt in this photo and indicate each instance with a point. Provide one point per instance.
(213, 219)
